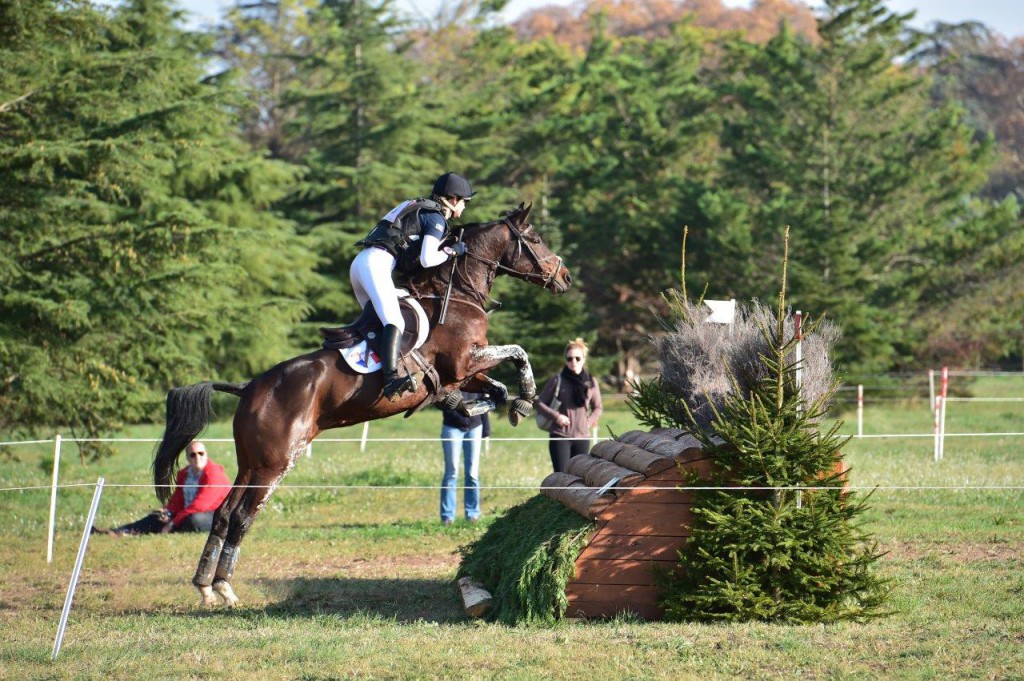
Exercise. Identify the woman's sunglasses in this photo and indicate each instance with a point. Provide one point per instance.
(570, 358)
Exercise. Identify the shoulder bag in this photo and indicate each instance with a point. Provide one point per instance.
(545, 422)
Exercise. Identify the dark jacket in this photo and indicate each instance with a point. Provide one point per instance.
(456, 420)
(581, 417)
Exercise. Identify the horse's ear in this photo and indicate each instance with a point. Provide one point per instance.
(524, 211)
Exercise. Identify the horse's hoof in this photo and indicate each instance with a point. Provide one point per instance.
(522, 407)
(514, 418)
(206, 597)
(451, 401)
(226, 593)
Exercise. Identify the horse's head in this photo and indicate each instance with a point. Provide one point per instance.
(512, 246)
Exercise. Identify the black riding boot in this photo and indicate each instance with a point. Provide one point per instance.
(391, 347)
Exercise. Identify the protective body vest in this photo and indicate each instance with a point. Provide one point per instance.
(399, 232)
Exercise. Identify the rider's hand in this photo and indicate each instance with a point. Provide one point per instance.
(458, 248)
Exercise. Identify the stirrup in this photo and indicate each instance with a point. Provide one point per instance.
(397, 386)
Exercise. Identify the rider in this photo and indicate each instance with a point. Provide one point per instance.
(392, 244)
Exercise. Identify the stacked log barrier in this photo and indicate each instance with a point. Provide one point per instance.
(641, 522)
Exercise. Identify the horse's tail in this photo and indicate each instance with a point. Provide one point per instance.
(188, 414)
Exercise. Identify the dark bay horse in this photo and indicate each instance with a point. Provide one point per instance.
(282, 410)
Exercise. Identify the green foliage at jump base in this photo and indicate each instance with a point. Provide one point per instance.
(526, 558)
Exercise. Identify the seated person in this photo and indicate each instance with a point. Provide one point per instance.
(199, 490)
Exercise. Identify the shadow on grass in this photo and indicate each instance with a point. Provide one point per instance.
(402, 600)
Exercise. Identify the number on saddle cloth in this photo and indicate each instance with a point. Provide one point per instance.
(359, 342)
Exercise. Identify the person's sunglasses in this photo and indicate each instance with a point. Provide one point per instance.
(193, 455)
(573, 359)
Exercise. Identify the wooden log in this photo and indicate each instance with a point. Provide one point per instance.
(640, 460)
(640, 438)
(666, 447)
(574, 494)
(597, 472)
(674, 433)
(607, 449)
(476, 600)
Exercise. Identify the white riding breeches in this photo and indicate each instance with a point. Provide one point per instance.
(370, 275)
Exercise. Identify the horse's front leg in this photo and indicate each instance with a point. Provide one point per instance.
(486, 357)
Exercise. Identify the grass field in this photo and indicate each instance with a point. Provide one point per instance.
(359, 581)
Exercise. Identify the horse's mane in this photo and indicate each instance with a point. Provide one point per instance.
(513, 215)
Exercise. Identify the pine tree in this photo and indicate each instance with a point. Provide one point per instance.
(139, 249)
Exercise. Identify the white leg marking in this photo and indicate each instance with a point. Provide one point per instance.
(225, 591)
(206, 597)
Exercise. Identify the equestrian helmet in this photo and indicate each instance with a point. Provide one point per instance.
(452, 184)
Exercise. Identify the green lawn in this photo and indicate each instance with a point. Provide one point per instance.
(359, 581)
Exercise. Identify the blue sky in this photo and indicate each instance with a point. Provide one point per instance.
(1005, 16)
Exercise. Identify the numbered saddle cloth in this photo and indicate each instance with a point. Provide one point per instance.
(359, 342)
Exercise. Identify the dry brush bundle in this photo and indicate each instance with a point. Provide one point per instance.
(703, 362)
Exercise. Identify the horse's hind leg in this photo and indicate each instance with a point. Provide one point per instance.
(262, 482)
(203, 578)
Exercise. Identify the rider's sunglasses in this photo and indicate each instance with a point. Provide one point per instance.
(571, 358)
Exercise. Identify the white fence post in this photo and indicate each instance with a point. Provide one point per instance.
(53, 499)
(797, 319)
(366, 433)
(942, 417)
(931, 390)
(78, 568)
(860, 410)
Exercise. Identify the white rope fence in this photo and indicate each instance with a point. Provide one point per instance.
(682, 488)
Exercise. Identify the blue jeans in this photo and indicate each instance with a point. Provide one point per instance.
(452, 439)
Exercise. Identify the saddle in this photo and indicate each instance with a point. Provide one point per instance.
(369, 328)
(358, 344)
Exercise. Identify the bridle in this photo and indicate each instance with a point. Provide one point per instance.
(480, 298)
(520, 243)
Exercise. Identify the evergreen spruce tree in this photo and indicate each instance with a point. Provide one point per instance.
(372, 133)
(139, 249)
(784, 543)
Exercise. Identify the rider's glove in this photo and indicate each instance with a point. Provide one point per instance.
(458, 248)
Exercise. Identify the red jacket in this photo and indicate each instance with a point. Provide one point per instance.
(213, 487)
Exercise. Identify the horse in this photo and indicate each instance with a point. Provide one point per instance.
(283, 409)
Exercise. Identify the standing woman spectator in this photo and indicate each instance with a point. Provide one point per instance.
(464, 433)
(579, 410)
